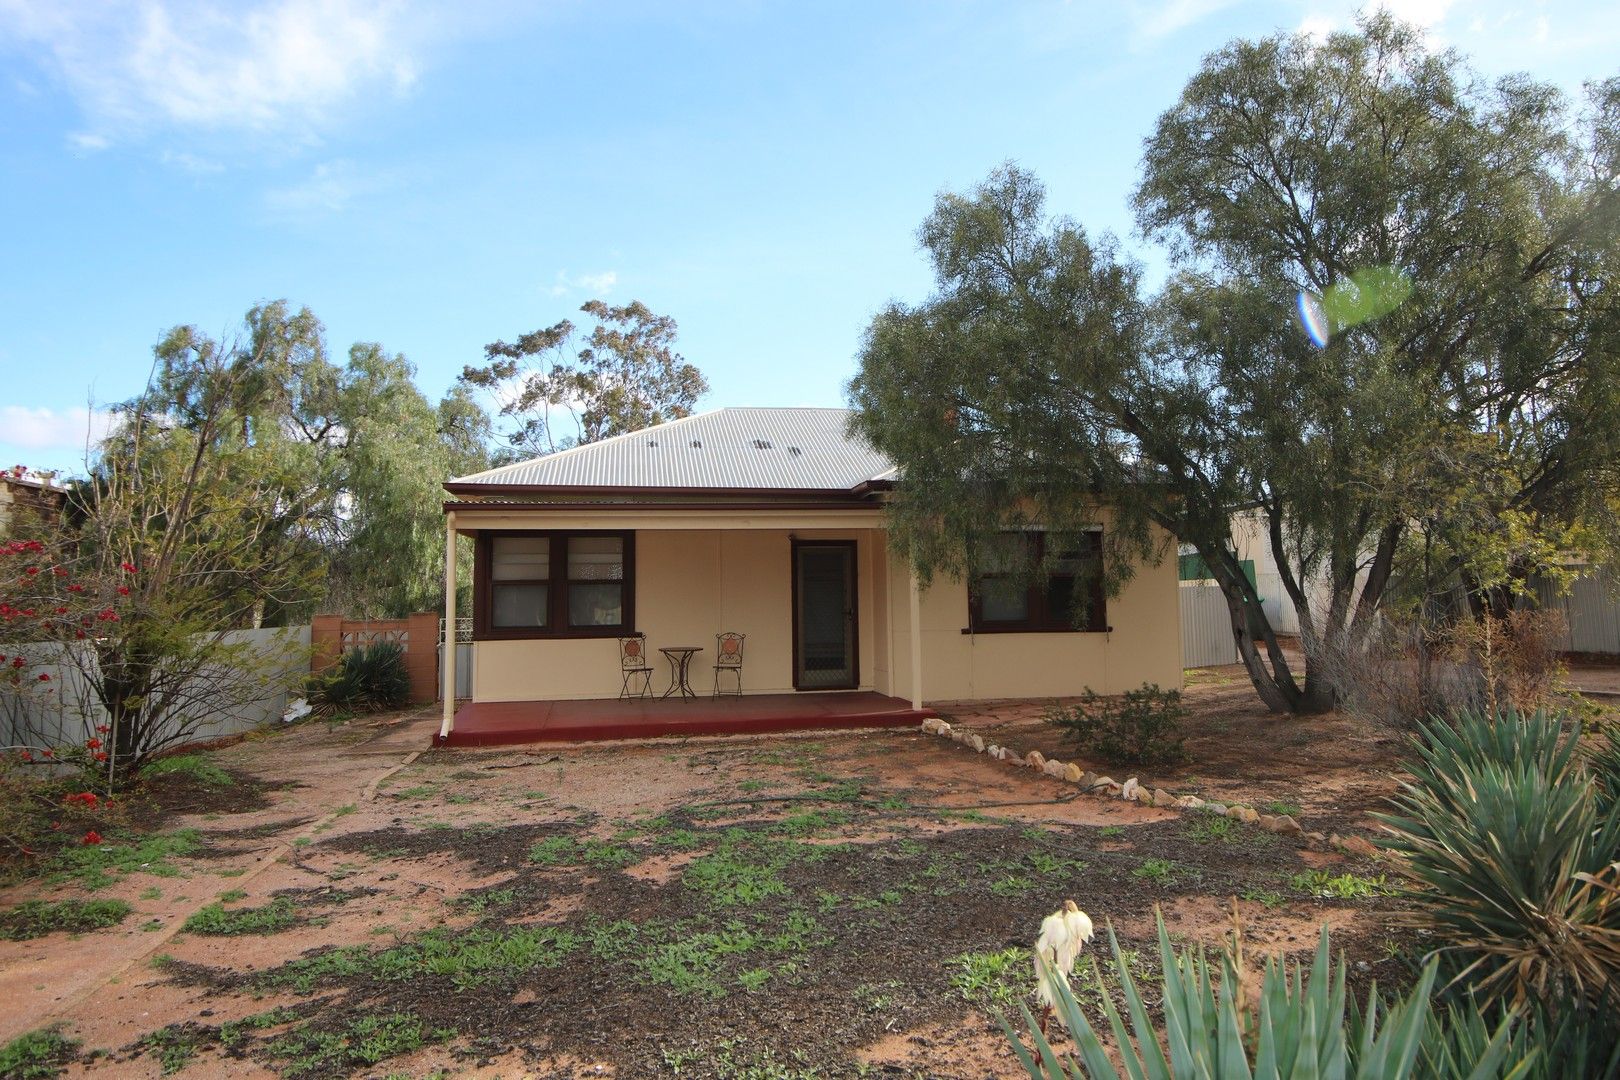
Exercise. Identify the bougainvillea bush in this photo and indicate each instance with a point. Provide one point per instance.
(185, 531)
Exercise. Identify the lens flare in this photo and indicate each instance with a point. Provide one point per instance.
(1313, 317)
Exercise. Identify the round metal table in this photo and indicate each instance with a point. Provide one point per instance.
(680, 664)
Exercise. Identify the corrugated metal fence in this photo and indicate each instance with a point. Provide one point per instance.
(1591, 610)
(1206, 628)
(69, 711)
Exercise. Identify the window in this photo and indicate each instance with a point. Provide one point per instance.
(1003, 598)
(553, 584)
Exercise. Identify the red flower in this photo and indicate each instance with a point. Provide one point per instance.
(19, 662)
(31, 571)
(44, 677)
(123, 590)
(75, 588)
(48, 753)
(128, 568)
(102, 756)
(91, 837)
(102, 729)
(61, 611)
(92, 744)
(26, 756)
(59, 571)
(86, 797)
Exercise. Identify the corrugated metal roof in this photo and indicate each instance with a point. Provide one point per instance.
(749, 448)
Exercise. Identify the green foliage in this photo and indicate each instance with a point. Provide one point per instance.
(1300, 1028)
(218, 920)
(95, 866)
(370, 677)
(1142, 728)
(360, 1042)
(175, 1046)
(1325, 883)
(1518, 861)
(35, 918)
(37, 1055)
(1462, 399)
(470, 958)
(1158, 870)
(597, 854)
(625, 376)
(992, 978)
(195, 766)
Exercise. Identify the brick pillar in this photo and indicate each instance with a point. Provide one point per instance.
(422, 656)
(326, 642)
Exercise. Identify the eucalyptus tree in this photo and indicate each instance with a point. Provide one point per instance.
(623, 375)
(1391, 326)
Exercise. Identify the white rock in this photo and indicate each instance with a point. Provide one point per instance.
(1035, 759)
(977, 742)
(1127, 790)
(1073, 774)
(1216, 808)
(1162, 797)
(1056, 769)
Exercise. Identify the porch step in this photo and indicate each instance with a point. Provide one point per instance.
(502, 723)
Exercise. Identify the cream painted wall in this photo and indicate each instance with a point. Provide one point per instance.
(691, 585)
(1144, 645)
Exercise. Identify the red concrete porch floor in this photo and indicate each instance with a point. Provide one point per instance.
(494, 723)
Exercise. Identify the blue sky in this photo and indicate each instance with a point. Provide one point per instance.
(435, 176)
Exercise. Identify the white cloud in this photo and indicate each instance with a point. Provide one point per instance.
(1425, 13)
(1163, 19)
(598, 284)
(262, 66)
(331, 186)
(53, 429)
(89, 140)
(1317, 26)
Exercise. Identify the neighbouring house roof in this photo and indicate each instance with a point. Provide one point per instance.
(743, 450)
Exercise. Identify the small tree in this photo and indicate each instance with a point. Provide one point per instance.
(181, 536)
(624, 377)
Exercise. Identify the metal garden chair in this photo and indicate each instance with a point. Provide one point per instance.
(728, 656)
(633, 663)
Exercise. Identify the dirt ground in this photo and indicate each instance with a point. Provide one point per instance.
(842, 904)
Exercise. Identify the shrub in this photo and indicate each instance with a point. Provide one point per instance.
(1517, 858)
(1142, 728)
(1295, 1027)
(35, 918)
(370, 677)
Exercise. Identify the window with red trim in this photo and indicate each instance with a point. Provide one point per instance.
(1006, 596)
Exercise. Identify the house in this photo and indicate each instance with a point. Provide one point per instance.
(25, 500)
(768, 522)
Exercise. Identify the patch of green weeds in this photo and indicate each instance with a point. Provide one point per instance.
(597, 854)
(231, 896)
(36, 918)
(425, 791)
(740, 871)
(96, 866)
(361, 1042)
(214, 920)
(478, 903)
(1340, 886)
(174, 1046)
(1012, 885)
(37, 1055)
(1210, 828)
(1278, 807)
(1267, 897)
(679, 840)
(992, 978)
(1108, 832)
(196, 766)
(811, 822)
(1159, 870)
(468, 959)
(753, 979)
(748, 787)
(233, 1033)
(151, 892)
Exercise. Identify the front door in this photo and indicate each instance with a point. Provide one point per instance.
(824, 594)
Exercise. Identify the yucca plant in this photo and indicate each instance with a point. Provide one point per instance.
(370, 677)
(1515, 858)
(1300, 1028)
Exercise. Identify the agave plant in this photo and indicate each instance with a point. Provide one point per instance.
(1515, 856)
(370, 677)
(1300, 1028)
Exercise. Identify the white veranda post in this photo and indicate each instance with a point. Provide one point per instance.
(916, 642)
(447, 664)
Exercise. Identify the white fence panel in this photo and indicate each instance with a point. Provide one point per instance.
(65, 713)
(1206, 628)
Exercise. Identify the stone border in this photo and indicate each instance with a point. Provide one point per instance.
(1132, 790)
